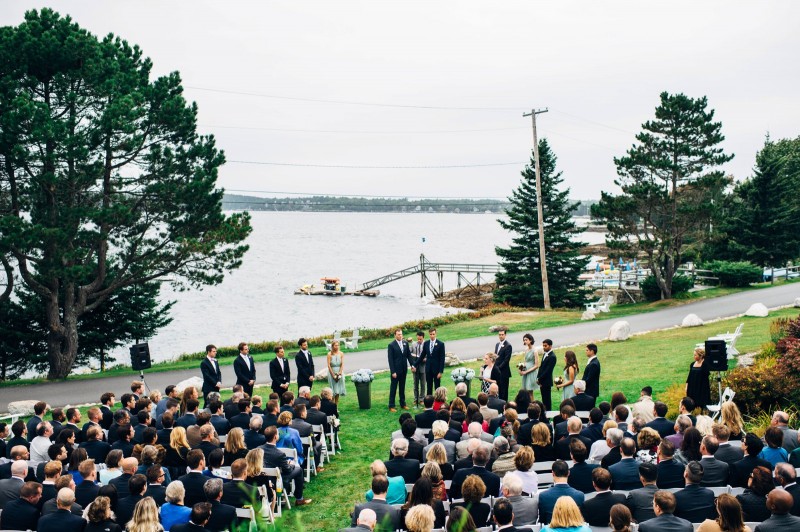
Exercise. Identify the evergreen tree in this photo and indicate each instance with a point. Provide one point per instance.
(669, 183)
(520, 282)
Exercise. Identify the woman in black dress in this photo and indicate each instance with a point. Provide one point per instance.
(489, 373)
(697, 383)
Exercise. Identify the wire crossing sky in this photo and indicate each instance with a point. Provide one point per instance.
(426, 98)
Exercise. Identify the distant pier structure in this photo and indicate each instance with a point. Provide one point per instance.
(468, 274)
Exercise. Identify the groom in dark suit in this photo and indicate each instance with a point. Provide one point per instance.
(305, 365)
(591, 373)
(212, 376)
(245, 368)
(503, 351)
(545, 376)
(279, 372)
(399, 358)
(434, 364)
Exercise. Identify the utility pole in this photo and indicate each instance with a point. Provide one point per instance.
(537, 164)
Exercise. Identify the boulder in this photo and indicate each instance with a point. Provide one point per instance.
(692, 320)
(451, 359)
(197, 382)
(497, 328)
(797, 303)
(21, 408)
(757, 310)
(322, 376)
(620, 331)
(588, 315)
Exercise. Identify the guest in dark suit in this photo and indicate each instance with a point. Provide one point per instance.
(754, 498)
(480, 457)
(62, 520)
(715, 472)
(597, 510)
(387, 517)
(399, 465)
(625, 473)
(670, 472)
(279, 372)
(194, 480)
(560, 488)
(305, 365)
(502, 514)
(563, 446)
(583, 401)
(779, 503)
(126, 505)
(739, 472)
(274, 457)
(155, 488)
(580, 475)
(223, 516)
(591, 373)
(86, 491)
(694, 502)
(96, 448)
(129, 466)
(665, 521)
(212, 376)
(503, 351)
(545, 375)
(594, 430)
(433, 351)
(242, 419)
(661, 424)
(22, 513)
(726, 452)
(399, 355)
(640, 500)
(245, 369)
(237, 492)
(786, 477)
(426, 418)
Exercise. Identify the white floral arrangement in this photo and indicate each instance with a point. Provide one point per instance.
(462, 375)
(363, 375)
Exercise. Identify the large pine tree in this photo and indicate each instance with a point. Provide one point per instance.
(520, 283)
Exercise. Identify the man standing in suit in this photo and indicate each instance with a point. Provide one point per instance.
(279, 372)
(305, 365)
(434, 363)
(212, 376)
(418, 359)
(503, 351)
(545, 375)
(245, 368)
(399, 356)
(664, 506)
(591, 373)
(597, 510)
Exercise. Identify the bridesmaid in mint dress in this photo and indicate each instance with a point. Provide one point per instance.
(335, 365)
(571, 370)
(531, 371)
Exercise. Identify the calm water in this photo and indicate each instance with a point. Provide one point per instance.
(290, 249)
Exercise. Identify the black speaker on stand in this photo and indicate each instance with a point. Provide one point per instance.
(140, 360)
(717, 360)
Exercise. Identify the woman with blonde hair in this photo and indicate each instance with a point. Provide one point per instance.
(155, 397)
(288, 437)
(567, 517)
(489, 373)
(729, 516)
(731, 417)
(175, 458)
(433, 472)
(173, 512)
(234, 446)
(439, 398)
(336, 371)
(523, 461)
(648, 441)
(145, 517)
(420, 518)
(698, 386)
(540, 443)
(511, 419)
(438, 454)
(600, 448)
(255, 463)
(98, 515)
(396, 494)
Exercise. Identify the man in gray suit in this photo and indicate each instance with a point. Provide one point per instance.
(640, 501)
(526, 509)
(387, 518)
(726, 452)
(664, 506)
(715, 472)
(780, 419)
(10, 487)
(366, 521)
(779, 503)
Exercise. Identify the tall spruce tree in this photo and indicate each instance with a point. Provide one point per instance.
(520, 282)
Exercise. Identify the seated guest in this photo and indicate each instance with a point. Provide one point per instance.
(774, 451)
(621, 414)
(583, 402)
(206, 445)
(40, 444)
(223, 516)
(432, 472)
(238, 492)
(124, 441)
(487, 413)
(664, 506)
(670, 472)
(254, 468)
(155, 478)
(480, 457)
(548, 498)
(694, 502)
(660, 423)
(399, 465)
(682, 423)
(439, 430)
(597, 510)
(686, 407)
(178, 450)
(253, 437)
(52, 470)
(740, 471)
(625, 473)
(690, 446)
(574, 433)
(290, 471)
(640, 500)
(779, 503)
(580, 475)
(145, 518)
(86, 491)
(474, 431)
(620, 519)
(214, 465)
(438, 455)
(113, 469)
(567, 517)
(96, 448)
(151, 456)
(524, 436)
(600, 448)
(504, 457)
(289, 438)
(51, 506)
(715, 472)
(62, 520)
(420, 518)
(786, 478)
(473, 490)
(194, 480)
(98, 516)
(366, 521)
(726, 452)
(440, 398)
(417, 434)
(129, 467)
(614, 438)
(560, 423)
(387, 517)
(305, 430)
(644, 406)
(461, 393)
(502, 515)
(271, 417)
(525, 508)
(409, 431)
(241, 420)
(523, 400)
(426, 418)
(126, 506)
(524, 460)
(647, 441)
(396, 492)
(541, 443)
(166, 424)
(754, 498)
(730, 516)
(422, 495)
(467, 461)
(459, 519)
(221, 425)
(235, 447)
(594, 430)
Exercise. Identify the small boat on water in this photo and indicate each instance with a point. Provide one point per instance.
(332, 286)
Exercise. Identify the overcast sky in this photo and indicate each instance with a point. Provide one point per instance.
(598, 66)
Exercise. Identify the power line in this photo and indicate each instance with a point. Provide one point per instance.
(378, 167)
(593, 122)
(339, 194)
(366, 132)
(365, 205)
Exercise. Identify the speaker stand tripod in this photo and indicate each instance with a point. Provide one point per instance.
(141, 377)
(719, 387)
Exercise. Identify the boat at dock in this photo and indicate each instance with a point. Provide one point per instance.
(332, 286)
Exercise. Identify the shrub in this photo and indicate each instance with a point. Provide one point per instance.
(763, 386)
(680, 285)
(735, 274)
(777, 329)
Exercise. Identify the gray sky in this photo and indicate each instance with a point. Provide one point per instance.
(598, 66)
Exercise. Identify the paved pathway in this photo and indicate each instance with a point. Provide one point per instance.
(80, 392)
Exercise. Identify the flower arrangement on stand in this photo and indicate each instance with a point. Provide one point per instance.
(362, 379)
(464, 375)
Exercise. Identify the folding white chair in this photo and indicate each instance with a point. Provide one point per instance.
(282, 497)
(222, 439)
(319, 434)
(267, 510)
(310, 466)
(727, 395)
(719, 490)
(334, 436)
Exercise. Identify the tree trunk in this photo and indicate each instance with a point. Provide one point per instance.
(62, 341)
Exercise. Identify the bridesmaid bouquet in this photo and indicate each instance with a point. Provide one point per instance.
(521, 366)
(558, 381)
